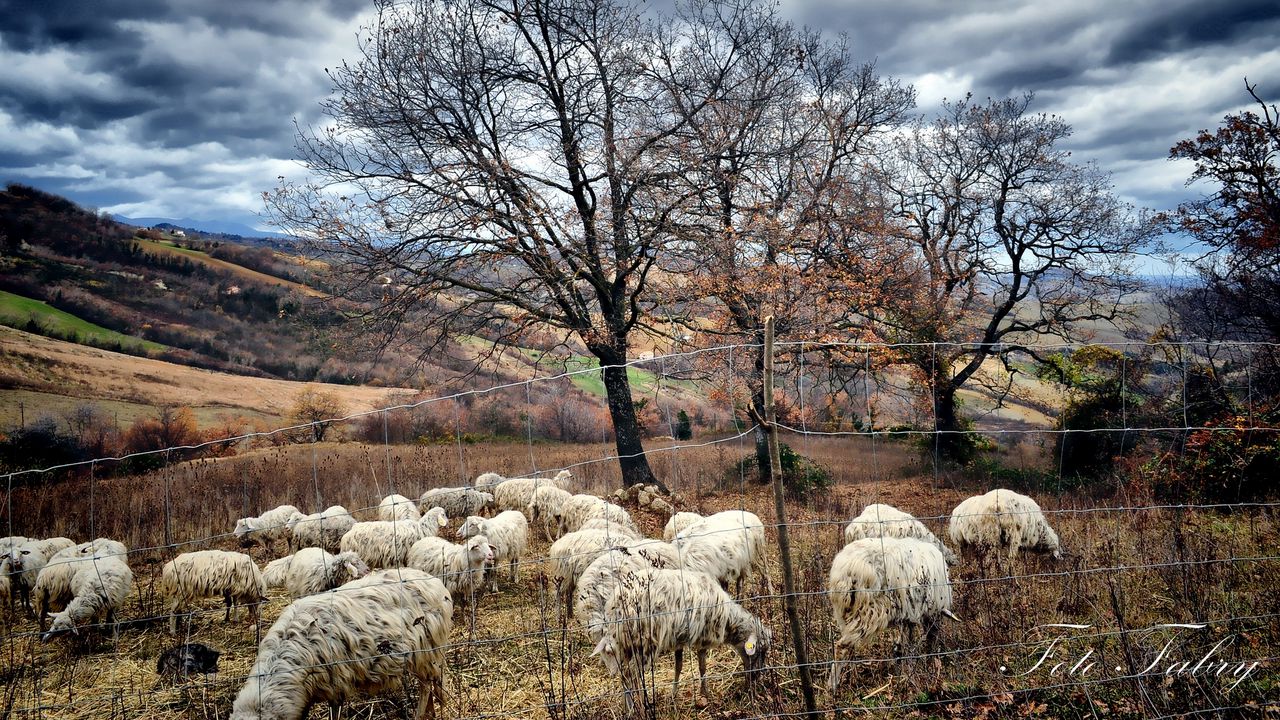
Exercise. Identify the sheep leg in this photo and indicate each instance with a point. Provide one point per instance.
(675, 684)
(515, 569)
(173, 616)
(335, 711)
(702, 671)
(837, 664)
(427, 693)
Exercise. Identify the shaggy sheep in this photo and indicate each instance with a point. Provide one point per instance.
(323, 529)
(727, 546)
(573, 552)
(516, 493)
(1005, 520)
(457, 502)
(461, 567)
(487, 481)
(232, 576)
(53, 589)
(599, 580)
(580, 508)
(265, 529)
(544, 509)
(99, 585)
(313, 570)
(879, 520)
(385, 544)
(677, 523)
(878, 582)
(399, 508)
(362, 637)
(508, 534)
(656, 611)
(613, 527)
(28, 559)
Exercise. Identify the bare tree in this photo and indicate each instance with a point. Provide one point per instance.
(774, 164)
(501, 167)
(1010, 241)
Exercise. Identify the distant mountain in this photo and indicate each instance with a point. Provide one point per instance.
(222, 227)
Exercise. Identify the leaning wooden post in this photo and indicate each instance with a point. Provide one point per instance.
(780, 516)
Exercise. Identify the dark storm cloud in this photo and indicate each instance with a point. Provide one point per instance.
(1194, 26)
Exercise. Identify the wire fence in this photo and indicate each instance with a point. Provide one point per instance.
(1155, 607)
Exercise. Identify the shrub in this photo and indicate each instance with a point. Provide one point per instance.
(801, 477)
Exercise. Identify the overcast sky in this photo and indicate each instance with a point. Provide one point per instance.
(185, 108)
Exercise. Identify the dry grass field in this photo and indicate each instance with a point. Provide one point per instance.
(58, 373)
(517, 655)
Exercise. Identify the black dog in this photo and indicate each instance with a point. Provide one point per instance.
(188, 658)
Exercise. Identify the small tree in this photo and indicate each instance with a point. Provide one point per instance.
(684, 426)
(317, 407)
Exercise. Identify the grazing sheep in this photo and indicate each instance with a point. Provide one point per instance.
(573, 552)
(232, 576)
(677, 523)
(53, 589)
(461, 567)
(28, 559)
(879, 520)
(265, 529)
(457, 502)
(487, 481)
(99, 585)
(878, 582)
(362, 637)
(1002, 519)
(385, 544)
(727, 546)
(313, 570)
(323, 529)
(544, 509)
(398, 508)
(655, 611)
(516, 493)
(508, 534)
(599, 580)
(580, 508)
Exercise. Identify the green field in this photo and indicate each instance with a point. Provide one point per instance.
(17, 311)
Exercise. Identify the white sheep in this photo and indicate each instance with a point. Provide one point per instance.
(385, 544)
(880, 520)
(613, 527)
(598, 581)
(573, 552)
(457, 502)
(99, 586)
(487, 481)
(728, 546)
(28, 559)
(544, 509)
(232, 576)
(677, 523)
(878, 582)
(461, 567)
(516, 493)
(508, 534)
(656, 611)
(53, 589)
(364, 636)
(312, 570)
(398, 507)
(265, 529)
(578, 509)
(323, 529)
(1004, 520)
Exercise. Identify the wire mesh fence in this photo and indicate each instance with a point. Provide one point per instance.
(1156, 607)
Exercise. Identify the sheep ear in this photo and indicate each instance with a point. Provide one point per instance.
(749, 647)
(604, 646)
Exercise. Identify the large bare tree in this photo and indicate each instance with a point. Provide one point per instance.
(776, 171)
(1011, 241)
(508, 165)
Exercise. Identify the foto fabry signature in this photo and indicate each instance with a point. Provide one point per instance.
(1166, 661)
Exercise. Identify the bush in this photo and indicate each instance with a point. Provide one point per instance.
(801, 477)
(1237, 465)
(38, 445)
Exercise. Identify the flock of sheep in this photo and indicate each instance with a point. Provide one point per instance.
(374, 601)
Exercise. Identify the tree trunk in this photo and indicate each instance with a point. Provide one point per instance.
(626, 430)
(951, 442)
